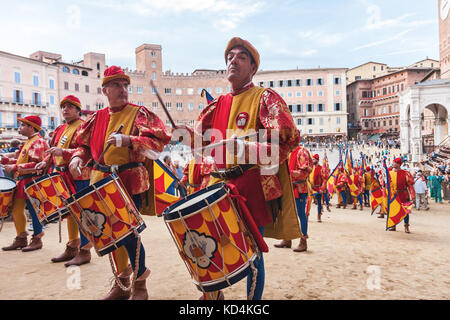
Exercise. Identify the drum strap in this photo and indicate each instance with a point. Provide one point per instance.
(123, 167)
(298, 182)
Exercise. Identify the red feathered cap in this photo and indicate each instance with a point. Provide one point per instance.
(112, 73)
(398, 160)
(34, 121)
(72, 100)
(316, 156)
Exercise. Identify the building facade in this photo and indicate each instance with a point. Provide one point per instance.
(444, 37)
(374, 104)
(316, 98)
(27, 87)
(35, 85)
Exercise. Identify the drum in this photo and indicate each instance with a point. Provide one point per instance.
(211, 238)
(7, 188)
(47, 195)
(106, 214)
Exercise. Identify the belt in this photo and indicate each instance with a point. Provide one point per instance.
(61, 169)
(26, 176)
(117, 168)
(193, 185)
(233, 172)
(298, 182)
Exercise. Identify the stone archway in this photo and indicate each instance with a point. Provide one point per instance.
(431, 97)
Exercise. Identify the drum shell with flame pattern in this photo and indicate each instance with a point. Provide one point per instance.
(45, 196)
(195, 225)
(106, 214)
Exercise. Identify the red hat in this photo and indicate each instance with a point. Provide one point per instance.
(316, 156)
(34, 121)
(72, 100)
(113, 73)
(367, 168)
(236, 41)
(398, 160)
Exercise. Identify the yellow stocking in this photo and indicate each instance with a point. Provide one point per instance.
(18, 212)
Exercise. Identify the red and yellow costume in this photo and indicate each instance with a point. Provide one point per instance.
(30, 154)
(197, 175)
(300, 166)
(402, 183)
(264, 109)
(146, 131)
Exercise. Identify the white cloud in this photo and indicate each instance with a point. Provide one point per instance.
(383, 41)
(225, 14)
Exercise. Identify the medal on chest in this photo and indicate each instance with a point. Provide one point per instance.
(242, 120)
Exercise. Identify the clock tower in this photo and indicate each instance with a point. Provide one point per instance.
(444, 37)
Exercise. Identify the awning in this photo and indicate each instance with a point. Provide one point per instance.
(375, 137)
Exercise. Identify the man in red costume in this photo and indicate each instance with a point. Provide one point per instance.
(316, 179)
(31, 153)
(402, 183)
(300, 167)
(143, 135)
(341, 186)
(62, 147)
(196, 175)
(358, 181)
(245, 109)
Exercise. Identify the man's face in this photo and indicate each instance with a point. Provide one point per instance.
(395, 165)
(117, 92)
(315, 161)
(70, 112)
(240, 68)
(26, 130)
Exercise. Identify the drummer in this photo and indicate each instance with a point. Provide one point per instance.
(196, 174)
(142, 133)
(249, 107)
(62, 147)
(20, 164)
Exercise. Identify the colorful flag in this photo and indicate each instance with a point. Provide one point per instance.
(377, 196)
(396, 211)
(206, 94)
(332, 179)
(164, 180)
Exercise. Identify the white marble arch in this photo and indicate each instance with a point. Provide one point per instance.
(433, 95)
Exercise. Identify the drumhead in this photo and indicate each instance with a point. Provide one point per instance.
(195, 202)
(7, 184)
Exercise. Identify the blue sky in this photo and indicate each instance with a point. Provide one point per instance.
(193, 34)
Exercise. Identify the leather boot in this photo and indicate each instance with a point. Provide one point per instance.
(328, 208)
(360, 207)
(302, 246)
(139, 290)
(83, 257)
(392, 228)
(407, 228)
(35, 243)
(381, 216)
(344, 206)
(338, 205)
(319, 217)
(19, 242)
(354, 206)
(71, 251)
(116, 293)
(283, 244)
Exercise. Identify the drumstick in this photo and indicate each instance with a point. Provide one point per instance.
(106, 149)
(163, 104)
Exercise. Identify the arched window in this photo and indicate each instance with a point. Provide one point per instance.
(84, 73)
(66, 69)
(76, 71)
